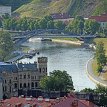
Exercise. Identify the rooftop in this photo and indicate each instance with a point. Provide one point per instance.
(17, 67)
(69, 101)
(101, 18)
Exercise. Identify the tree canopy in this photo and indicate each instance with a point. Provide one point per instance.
(100, 56)
(6, 44)
(57, 81)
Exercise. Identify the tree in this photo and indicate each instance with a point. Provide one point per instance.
(59, 25)
(50, 24)
(57, 81)
(100, 54)
(77, 25)
(91, 27)
(6, 45)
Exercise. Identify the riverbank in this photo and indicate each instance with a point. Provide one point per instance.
(91, 66)
(95, 78)
(68, 41)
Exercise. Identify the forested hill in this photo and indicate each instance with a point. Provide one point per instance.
(38, 8)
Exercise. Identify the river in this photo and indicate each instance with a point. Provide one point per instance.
(66, 57)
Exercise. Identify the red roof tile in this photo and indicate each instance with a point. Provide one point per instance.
(60, 102)
(99, 18)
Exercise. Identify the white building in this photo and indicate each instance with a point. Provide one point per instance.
(5, 10)
(102, 20)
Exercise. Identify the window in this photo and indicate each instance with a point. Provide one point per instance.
(15, 85)
(16, 78)
(40, 70)
(32, 85)
(43, 69)
(5, 81)
(28, 76)
(46, 69)
(20, 76)
(10, 89)
(24, 76)
(36, 84)
(24, 85)
(20, 85)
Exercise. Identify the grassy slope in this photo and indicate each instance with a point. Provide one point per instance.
(38, 8)
(101, 7)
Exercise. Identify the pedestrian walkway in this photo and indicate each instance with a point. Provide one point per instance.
(92, 76)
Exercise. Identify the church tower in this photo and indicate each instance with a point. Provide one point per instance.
(42, 65)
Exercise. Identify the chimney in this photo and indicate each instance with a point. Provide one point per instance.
(74, 103)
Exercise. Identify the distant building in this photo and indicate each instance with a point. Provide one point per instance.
(102, 19)
(5, 10)
(60, 15)
(69, 101)
(22, 78)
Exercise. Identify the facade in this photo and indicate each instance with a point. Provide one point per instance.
(5, 10)
(19, 78)
(69, 101)
(1, 89)
(102, 19)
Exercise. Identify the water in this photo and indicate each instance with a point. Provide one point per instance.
(66, 57)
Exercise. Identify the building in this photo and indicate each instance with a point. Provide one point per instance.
(69, 101)
(22, 78)
(102, 19)
(5, 10)
(60, 16)
(1, 89)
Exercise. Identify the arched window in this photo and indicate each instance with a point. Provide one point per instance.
(24, 85)
(32, 85)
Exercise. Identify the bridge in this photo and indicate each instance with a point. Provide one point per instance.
(49, 33)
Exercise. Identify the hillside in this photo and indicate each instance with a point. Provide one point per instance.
(38, 8)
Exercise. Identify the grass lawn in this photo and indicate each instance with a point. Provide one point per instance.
(94, 66)
(94, 63)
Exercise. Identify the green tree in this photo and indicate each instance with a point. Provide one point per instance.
(100, 54)
(6, 45)
(59, 25)
(91, 27)
(50, 24)
(77, 25)
(57, 81)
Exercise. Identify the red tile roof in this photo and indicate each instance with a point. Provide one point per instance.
(102, 18)
(59, 102)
